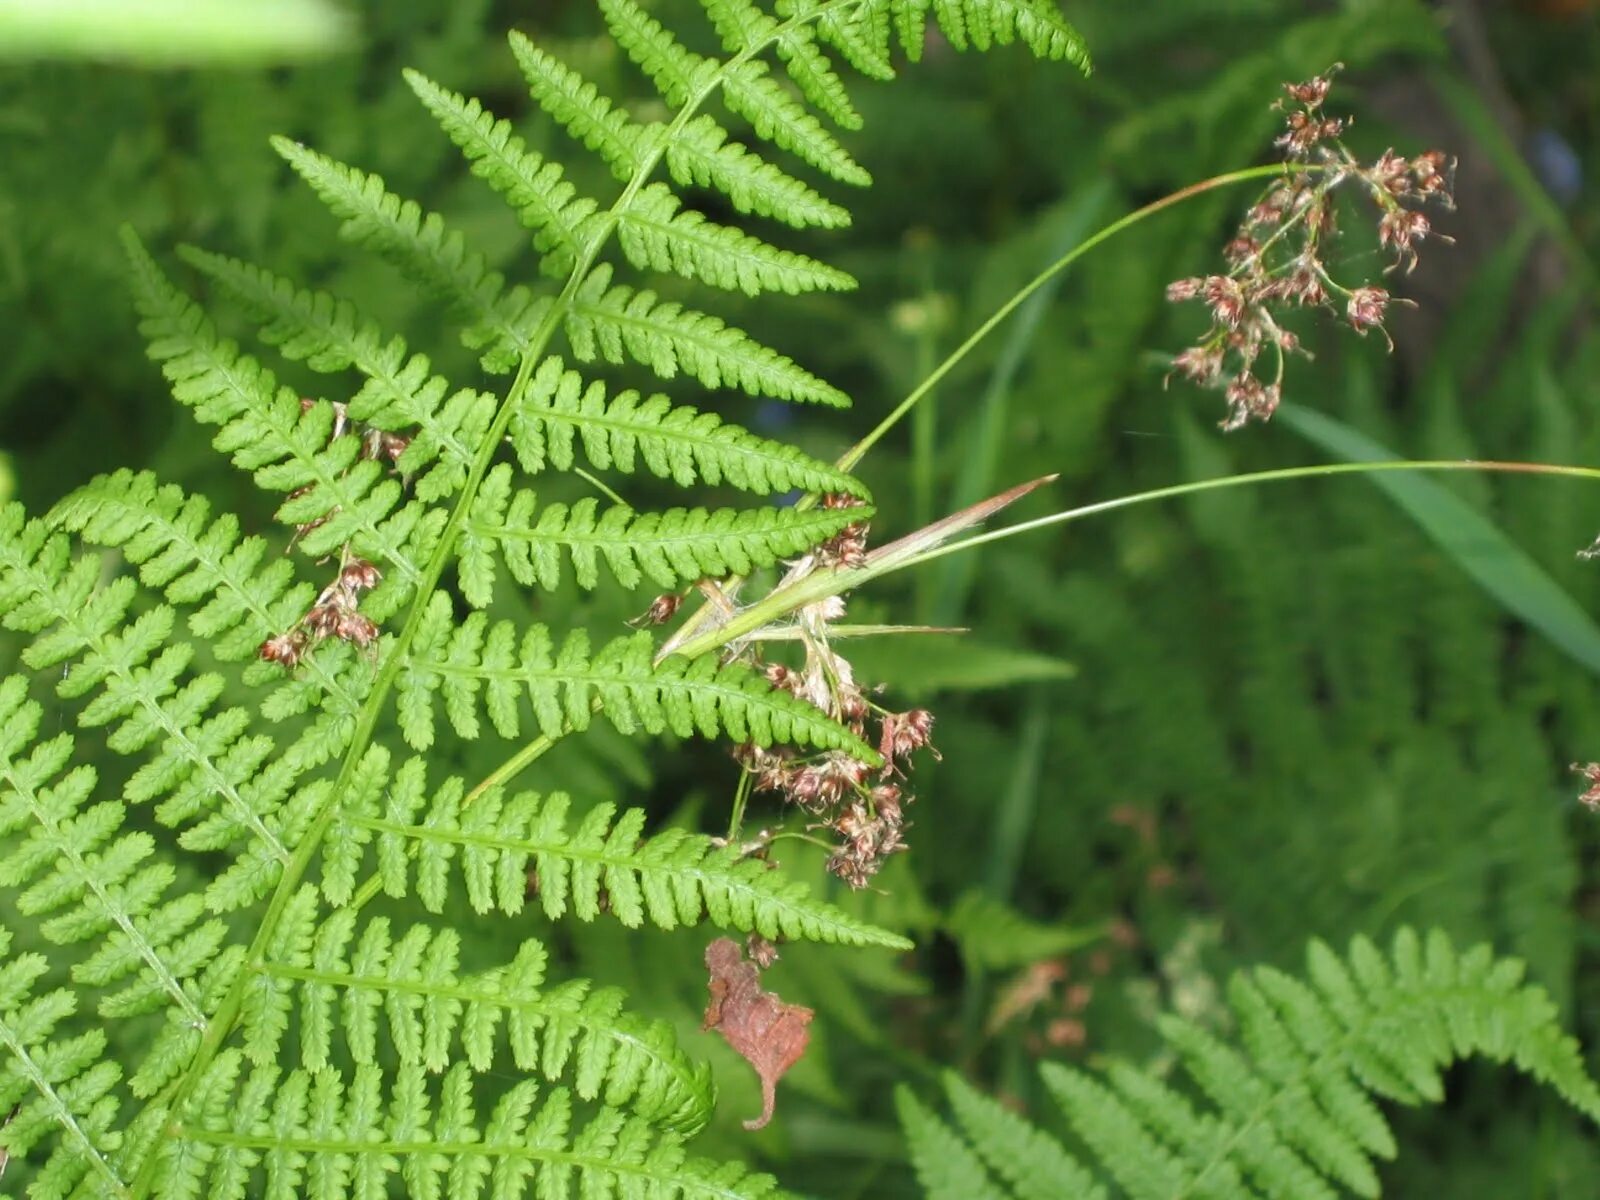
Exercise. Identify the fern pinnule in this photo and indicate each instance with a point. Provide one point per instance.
(432, 840)
(1293, 1111)
(400, 393)
(558, 412)
(668, 548)
(563, 684)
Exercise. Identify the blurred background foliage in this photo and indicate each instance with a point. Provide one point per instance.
(1181, 737)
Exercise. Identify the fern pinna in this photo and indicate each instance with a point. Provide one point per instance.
(293, 1041)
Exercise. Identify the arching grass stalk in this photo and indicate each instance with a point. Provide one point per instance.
(916, 549)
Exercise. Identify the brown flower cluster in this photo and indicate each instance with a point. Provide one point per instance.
(1591, 777)
(861, 804)
(336, 613)
(1277, 261)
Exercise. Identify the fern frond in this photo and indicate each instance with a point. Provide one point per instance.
(421, 246)
(580, 108)
(401, 394)
(667, 548)
(621, 324)
(673, 879)
(683, 696)
(1290, 1114)
(676, 71)
(558, 412)
(353, 979)
(656, 235)
(55, 1087)
(327, 1133)
(777, 117)
(205, 766)
(285, 445)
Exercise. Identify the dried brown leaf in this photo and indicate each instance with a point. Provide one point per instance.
(768, 1033)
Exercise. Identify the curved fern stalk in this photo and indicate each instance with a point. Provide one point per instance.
(559, 412)
(682, 696)
(1293, 1112)
(400, 393)
(503, 847)
(351, 979)
(327, 1133)
(667, 548)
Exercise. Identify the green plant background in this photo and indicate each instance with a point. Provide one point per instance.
(1181, 738)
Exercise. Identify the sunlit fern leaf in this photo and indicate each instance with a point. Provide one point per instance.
(656, 234)
(981, 24)
(861, 34)
(429, 840)
(424, 248)
(1290, 1113)
(702, 155)
(580, 107)
(776, 116)
(667, 549)
(562, 221)
(368, 1131)
(285, 445)
(205, 769)
(400, 393)
(355, 985)
(676, 71)
(471, 662)
(54, 1086)
(621, 324)
(559, 412)
(84, 881)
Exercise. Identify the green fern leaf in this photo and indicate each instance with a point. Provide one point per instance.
(401, 394)
(679, 695)
(776, 116)
(620, 323)
(583, 111)
(666, 548)
(677, 72)
(558, 412)
(1292, 1113)
(702, 156)
(424, 248)
(656, 235)
(673, 879)
(411, 984)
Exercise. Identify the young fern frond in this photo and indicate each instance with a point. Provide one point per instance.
(563, 685)
(1292, 1112)
(668, 548)
(507, 851)
(559, 412)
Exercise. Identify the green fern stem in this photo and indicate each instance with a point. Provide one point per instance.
(294, 871)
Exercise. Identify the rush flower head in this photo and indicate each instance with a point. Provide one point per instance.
(1278, 260)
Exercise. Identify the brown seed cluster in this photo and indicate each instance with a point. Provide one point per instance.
(336, 613)
(1278, 260)
(1591, 777)
(862, 805)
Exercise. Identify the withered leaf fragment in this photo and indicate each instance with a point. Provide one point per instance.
(769, 1034)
